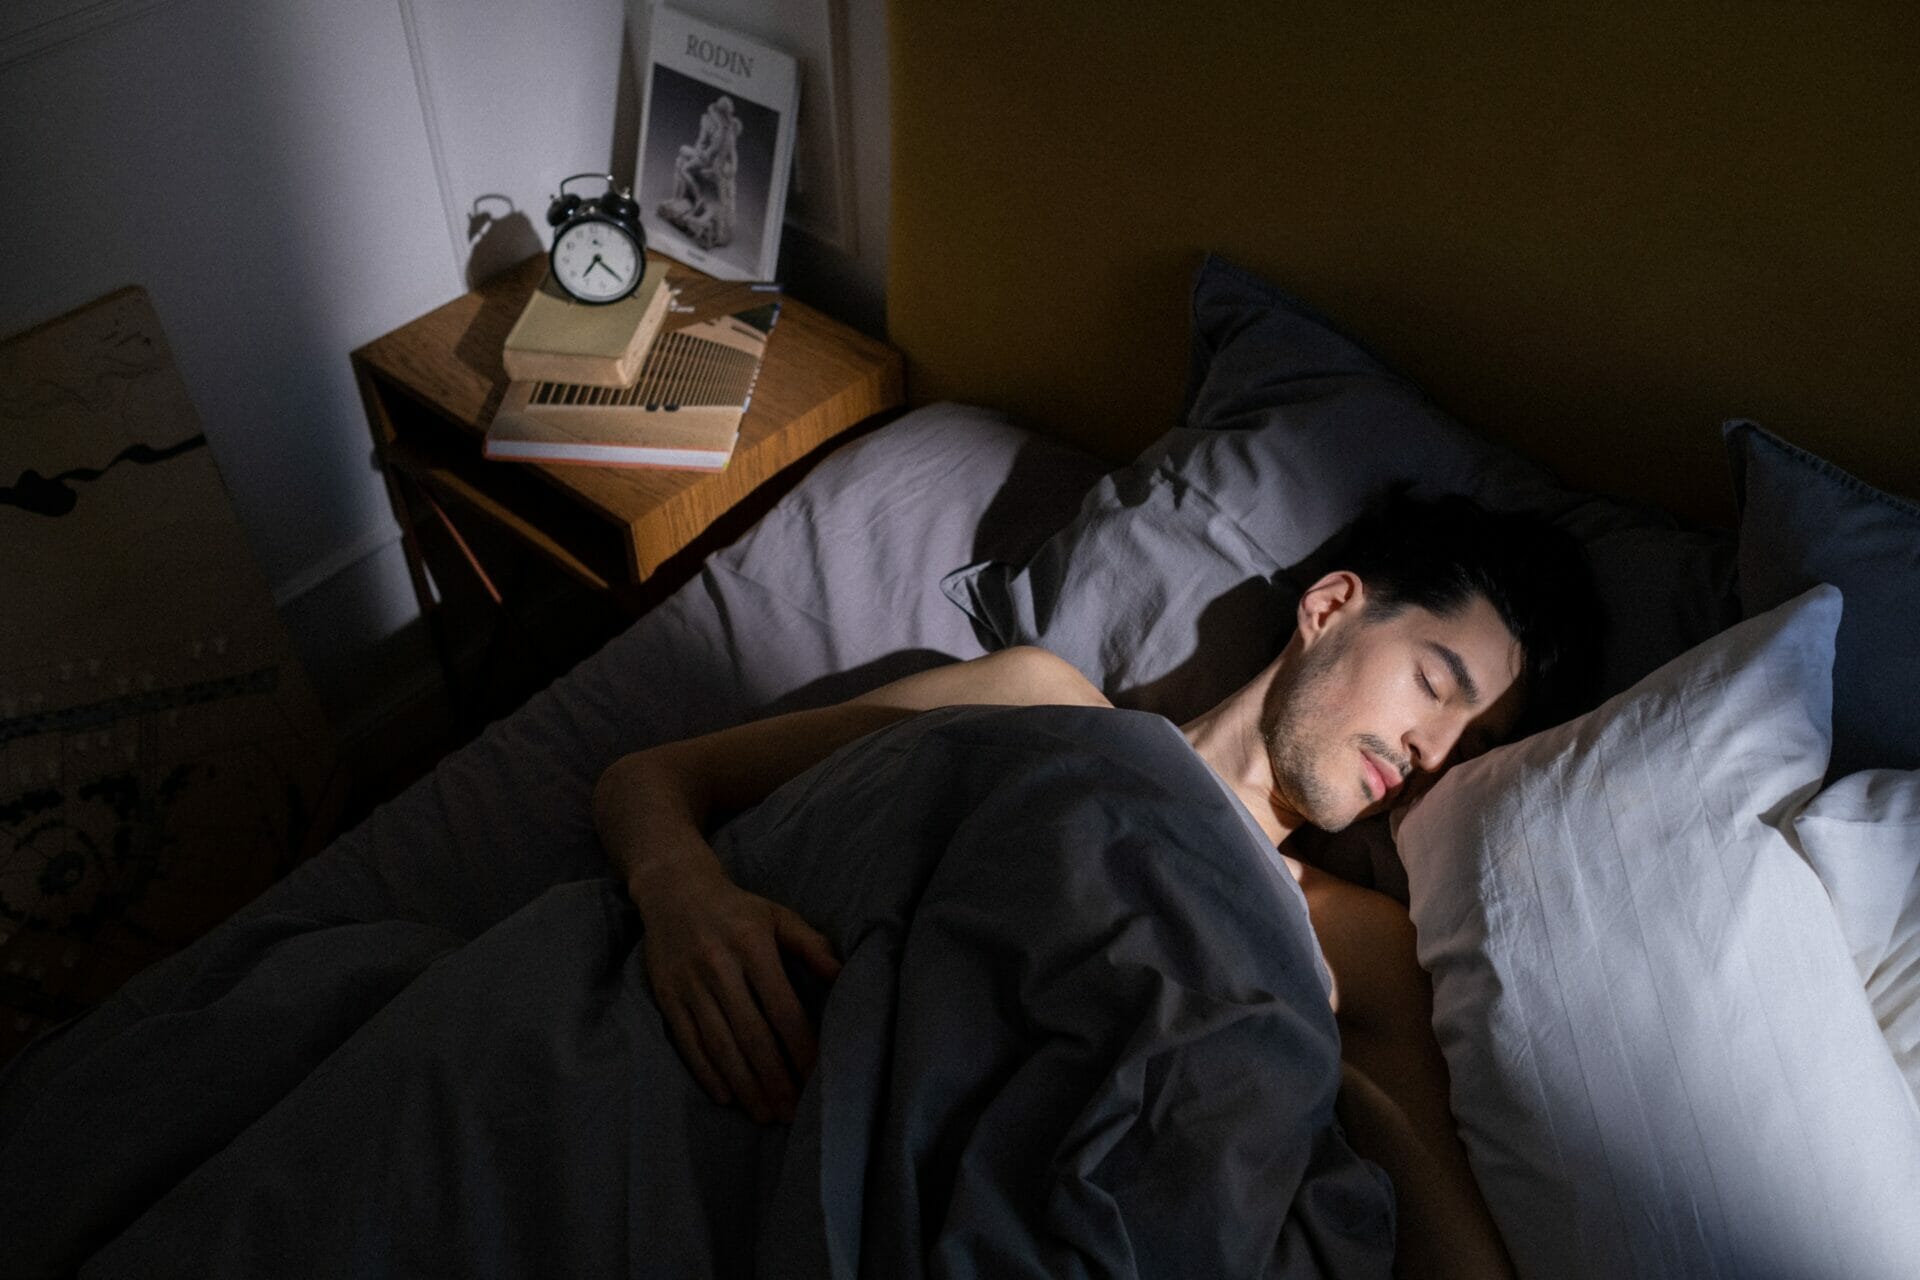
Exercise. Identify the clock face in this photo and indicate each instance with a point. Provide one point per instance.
(596, 261)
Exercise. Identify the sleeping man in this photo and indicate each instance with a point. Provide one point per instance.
(1445, 630)
(1060, 1005)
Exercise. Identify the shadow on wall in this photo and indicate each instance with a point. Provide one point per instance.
(497, 237)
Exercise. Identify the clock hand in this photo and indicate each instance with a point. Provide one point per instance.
(603, 266)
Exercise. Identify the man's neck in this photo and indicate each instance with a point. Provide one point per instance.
(1228, 739)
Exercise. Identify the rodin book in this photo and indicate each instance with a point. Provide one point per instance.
(559, 339)
(716, 146)
(683, 411)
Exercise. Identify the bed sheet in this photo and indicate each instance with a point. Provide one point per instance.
(1080, 1031)
(834, 591)
(356, 1072)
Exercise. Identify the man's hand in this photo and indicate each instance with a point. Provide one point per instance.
(713, 955)
(714, 951)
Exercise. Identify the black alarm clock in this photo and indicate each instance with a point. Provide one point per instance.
(599, 251)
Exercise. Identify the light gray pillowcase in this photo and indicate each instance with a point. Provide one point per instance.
(1804, 520)
(1662, 1059)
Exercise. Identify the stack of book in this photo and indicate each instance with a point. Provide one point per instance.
(659, 379)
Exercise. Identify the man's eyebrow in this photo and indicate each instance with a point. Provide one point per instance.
(1463, 681)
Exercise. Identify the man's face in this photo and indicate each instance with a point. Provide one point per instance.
(1371, 710)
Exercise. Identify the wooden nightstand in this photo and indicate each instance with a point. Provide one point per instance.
(430, 388)
(627, 535)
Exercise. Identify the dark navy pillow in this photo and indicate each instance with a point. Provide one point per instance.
(1805, 521)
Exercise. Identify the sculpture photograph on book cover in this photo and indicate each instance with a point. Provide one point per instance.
(716, 147)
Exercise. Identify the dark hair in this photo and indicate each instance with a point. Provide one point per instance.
(1439, 553)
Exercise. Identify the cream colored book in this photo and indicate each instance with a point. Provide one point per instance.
(685, 409)
(559, 339)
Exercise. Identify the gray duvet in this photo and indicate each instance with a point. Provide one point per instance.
(1081, 1031)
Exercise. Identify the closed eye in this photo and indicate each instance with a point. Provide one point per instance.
(1427, 685)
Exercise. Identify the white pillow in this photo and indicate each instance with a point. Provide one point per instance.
(1862, 835)
(1662, 1060)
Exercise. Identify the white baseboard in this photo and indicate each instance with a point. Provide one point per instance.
(372, 543)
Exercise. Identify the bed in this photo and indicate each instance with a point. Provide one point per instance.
(1673, 943)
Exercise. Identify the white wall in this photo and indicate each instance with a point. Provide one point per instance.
(259, 169)
(291, 178)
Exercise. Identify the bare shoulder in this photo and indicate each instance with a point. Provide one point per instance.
(1024, 676)
(1027, 675)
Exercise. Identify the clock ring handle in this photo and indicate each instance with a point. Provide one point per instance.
(617, 202)
(604, 177)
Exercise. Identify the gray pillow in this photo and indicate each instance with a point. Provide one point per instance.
(1176, 582)
(1804, 521)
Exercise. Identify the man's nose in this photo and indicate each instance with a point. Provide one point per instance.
(1430, 746)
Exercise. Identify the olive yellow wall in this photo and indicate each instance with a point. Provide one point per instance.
(1593, 231)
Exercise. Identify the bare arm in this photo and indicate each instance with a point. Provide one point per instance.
(682, 788)
(713, 950)
(1393, 1085)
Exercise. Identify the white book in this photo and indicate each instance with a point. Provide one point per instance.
(716, 146)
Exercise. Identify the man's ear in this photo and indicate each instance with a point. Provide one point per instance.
(1327, 603)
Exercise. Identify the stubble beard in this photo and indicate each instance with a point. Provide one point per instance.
(1293, 726)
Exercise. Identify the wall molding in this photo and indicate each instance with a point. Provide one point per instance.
(436, 144)
(29, 28)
